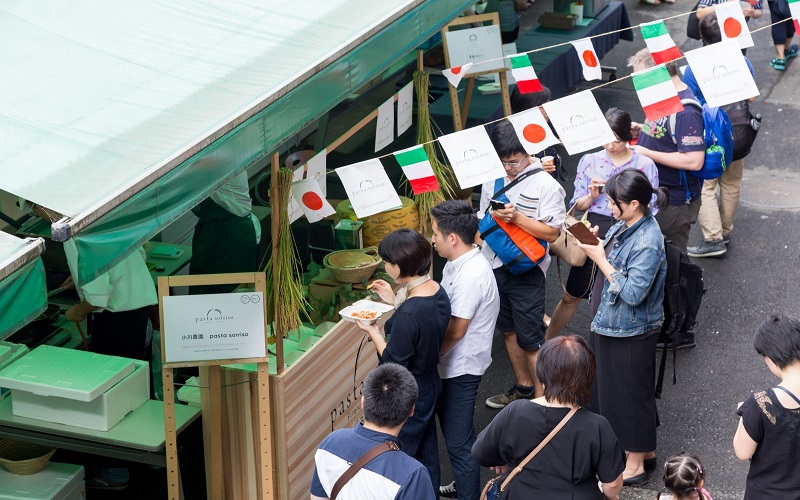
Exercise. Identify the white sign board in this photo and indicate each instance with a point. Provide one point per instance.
(474, 45)
(214, 326)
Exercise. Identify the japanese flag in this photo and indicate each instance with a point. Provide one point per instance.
(589, 60)
(454, 75)
(732, 24)
(533, 131)
(312, 202)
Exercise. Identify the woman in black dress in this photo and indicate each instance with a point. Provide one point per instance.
(415, 333)
(584, 450)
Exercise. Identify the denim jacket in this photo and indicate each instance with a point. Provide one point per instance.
(632, 302)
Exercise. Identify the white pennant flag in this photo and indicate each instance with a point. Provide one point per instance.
(368, 188)
(533, 131)
(589, 60)
(316, 169)
(405, 106)
(454, 75)
(472, 156)
(732, 24)
(384, 128)
(579, 123)
(722, 73)
(311, 200)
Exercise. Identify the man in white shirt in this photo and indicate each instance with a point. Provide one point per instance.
(467, 348)
(536, 205)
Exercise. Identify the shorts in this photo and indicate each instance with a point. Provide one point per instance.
(522, 306)
(783, 30)
(579, 281)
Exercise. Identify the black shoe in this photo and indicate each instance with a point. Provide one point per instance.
(707, 249)
(650, 464)
(448, 490)
(685, 340)
(636, 481)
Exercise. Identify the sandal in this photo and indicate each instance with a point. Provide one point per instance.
(792, 52)
(651, 2)
(778, 64)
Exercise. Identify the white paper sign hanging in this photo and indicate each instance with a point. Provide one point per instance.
(214, 326)
(722, 73)
(368, 188)
(472, 157)
(474, 45)
(384, 128)
(579, 122)
(405, 108)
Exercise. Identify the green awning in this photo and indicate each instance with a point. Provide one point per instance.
(124, 115)
(23, 292)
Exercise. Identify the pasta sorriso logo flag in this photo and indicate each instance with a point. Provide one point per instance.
(722, 73)
(472, 157)
(368, 188)
(579, 123)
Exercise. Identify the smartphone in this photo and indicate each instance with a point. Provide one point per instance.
(497, 204)
(584, 235)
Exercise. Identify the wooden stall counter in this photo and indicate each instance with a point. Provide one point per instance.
(318, 393)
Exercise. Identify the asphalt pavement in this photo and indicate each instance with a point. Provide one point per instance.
(755, 278)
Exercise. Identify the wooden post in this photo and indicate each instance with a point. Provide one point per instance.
(212, 406)
(460, 116)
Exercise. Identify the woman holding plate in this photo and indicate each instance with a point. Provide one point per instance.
(414, 336)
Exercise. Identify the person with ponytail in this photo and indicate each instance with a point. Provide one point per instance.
(627, 301)
(684, 478)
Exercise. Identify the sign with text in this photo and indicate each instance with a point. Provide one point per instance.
(579, 123)
(214, 326)
(722, 73)
(368, 188)
(472, 157)
(474, 45)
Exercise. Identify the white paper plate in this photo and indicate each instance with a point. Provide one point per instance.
(364, 305)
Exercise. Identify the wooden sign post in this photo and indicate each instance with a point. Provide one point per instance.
(212, 412)
(451, 57)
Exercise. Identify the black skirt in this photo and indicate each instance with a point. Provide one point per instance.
(624, 393)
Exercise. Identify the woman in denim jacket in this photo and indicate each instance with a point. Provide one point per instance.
(629, 315)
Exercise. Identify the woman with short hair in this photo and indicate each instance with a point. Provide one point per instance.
(414, 336)
(582, 452)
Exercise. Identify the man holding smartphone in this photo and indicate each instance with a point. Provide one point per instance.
(536, 205)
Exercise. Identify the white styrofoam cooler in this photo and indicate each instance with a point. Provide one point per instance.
(102, 413)
(9, 353)
(54, 482)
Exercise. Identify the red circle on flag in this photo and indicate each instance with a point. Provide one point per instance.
(589, 58)
(534, 133)
(456, 70)
(312, 200)
(732, 28)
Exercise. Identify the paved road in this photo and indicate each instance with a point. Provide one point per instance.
(757, 276)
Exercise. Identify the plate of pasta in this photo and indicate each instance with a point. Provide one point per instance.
(365, 310)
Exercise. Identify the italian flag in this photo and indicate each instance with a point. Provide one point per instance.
(659, 42)
(656, 93)
(454, 75)
(523, 73)
(417, 169)
(794, 8)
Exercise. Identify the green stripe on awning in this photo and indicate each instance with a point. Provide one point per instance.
(23, 297)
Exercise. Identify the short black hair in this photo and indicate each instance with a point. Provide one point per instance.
(408, 250)
(505, 140)
(456, 216)
(631, 184)
(620, 122)
(709, 29)
(778, 338)
(566, 366)
(390, 392)
(522, 102)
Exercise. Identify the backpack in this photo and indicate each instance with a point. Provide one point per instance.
(745, 128)
(683, 293)
(519, 251)
(718, 136)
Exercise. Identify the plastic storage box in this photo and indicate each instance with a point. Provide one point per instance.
(9, 353)
(55, 482)
(102, 413)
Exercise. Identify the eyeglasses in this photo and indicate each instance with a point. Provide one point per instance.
(514, 164)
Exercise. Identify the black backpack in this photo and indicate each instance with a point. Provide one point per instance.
(745, 127)
(683, 292)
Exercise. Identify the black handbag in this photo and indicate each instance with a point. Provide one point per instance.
(745, 127)
(693, 24)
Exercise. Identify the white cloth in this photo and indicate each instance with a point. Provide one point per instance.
(125, 287)
(539, 197)
(470, 284)
(234, 196)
